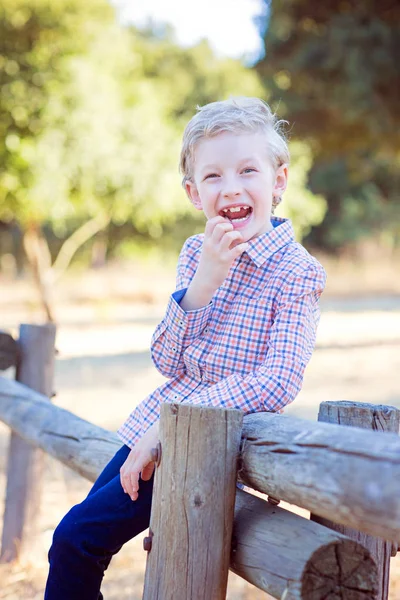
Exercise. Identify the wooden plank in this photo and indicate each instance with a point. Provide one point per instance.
(193, 503)
(80, 445)
(87, 448)
(8, 351)
(290, 557)
(328, 469)
(25, 462)
(377, 418)
(285, 457)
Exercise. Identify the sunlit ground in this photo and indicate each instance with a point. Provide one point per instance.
(103, 370)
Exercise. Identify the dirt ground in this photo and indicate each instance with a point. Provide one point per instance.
(103, 370)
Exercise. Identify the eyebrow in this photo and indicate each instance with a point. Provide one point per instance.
(244, 160)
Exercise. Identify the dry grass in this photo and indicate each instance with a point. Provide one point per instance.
(104, 369)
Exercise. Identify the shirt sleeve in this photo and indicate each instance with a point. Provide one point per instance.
(278, 379)
(179, 328)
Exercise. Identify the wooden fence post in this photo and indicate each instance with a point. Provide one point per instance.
(378, 418)
(193, 504)
(25, 462)
(8, 351)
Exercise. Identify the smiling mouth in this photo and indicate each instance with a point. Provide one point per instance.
(236, 213)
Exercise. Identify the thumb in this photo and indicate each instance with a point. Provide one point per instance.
(147, 472)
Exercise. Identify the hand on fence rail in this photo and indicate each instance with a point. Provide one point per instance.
(139, 462)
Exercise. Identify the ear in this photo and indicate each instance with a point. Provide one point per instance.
(193, 194)
(281, 179)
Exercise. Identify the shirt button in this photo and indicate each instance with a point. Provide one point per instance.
(206, 330)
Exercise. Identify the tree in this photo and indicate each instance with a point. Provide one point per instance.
(38, 43)
(333, 69)
(92, 116)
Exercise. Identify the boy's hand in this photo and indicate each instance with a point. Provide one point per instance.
(139, 462)
(222, 245)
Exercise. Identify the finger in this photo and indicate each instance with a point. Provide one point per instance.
(148, 471)
(134, 486)
(230, 240)
(125, 475)
(239, 249)
(212, 223)
(220, 230)
(127, 485)
(122, 479)
(125, 470)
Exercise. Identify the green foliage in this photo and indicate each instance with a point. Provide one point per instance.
(38, 41)
(333, 69)
(92, 114)
(304, 208)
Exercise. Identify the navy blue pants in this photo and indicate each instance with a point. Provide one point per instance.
(93, 531)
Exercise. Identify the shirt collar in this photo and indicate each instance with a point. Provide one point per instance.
(265, 245)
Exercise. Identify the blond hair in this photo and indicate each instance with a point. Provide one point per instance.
(236, 115)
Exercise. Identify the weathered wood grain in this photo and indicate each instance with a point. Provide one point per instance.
(290, 557)
(86, 448)
(8, 351)
(26, 462)
(82, 446)
(342, 473)
(193, 503)
(377, 418)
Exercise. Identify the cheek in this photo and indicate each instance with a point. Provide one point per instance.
(208, 196)
(261, 189)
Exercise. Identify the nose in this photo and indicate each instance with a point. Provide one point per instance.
(231, 187)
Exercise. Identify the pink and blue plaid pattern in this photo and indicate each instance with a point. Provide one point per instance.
(249, 347)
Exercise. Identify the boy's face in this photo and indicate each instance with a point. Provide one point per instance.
(234, 178)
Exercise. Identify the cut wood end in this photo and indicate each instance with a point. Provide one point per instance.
(344, 568)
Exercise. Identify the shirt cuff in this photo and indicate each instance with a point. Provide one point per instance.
(188, 325)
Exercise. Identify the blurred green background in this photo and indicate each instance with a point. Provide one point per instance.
(92, 113)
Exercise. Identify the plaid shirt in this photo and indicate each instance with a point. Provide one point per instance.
(249, 347)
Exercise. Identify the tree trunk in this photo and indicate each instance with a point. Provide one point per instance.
(45, 274)
(38, 255)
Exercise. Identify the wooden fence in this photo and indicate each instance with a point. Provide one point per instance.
(201, 524)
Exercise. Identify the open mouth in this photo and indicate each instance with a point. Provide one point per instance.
(236, 213)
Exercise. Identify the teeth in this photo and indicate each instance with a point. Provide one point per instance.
(234, 209)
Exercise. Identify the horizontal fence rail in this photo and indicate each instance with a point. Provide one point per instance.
(279, 552)
(349, 475)
(339, 472)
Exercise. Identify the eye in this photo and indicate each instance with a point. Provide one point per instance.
(249, 170)
(211, 175)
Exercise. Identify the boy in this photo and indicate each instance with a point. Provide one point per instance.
(238, 332)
